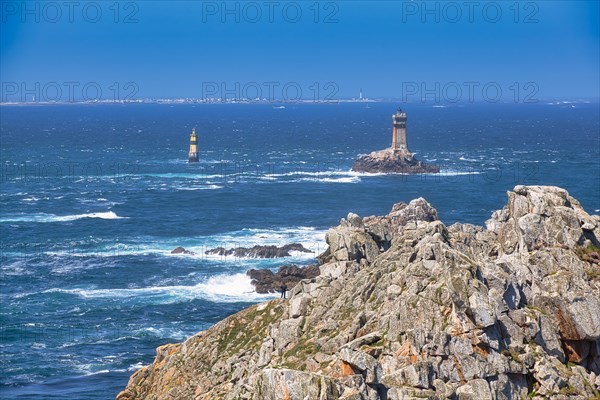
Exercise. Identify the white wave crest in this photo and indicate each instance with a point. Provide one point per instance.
(208, 187)
(189, 175)
(41, 217)
(448, 172)
(218, 288)
(311, 238)
(316, 174)
(348, 179)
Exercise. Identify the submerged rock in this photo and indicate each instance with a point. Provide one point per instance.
(406, 307)
(389, 161)
(259, 251)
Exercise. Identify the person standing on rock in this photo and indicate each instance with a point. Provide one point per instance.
(284, 289)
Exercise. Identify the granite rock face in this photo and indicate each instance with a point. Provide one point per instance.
(408, 308)
(388, 161)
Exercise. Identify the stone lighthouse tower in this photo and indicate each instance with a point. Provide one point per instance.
(399, 131)
(395, 159)
(193, 156)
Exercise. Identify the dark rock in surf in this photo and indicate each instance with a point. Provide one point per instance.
(265, 281)
(181, 250)
(259, 251)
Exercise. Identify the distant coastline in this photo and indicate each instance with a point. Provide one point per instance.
(193, 101)
(283, 101)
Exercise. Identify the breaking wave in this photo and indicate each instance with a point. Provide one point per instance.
(218, 288)
(42, 217)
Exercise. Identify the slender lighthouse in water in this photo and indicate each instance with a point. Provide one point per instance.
(399, 131)
(193, 156)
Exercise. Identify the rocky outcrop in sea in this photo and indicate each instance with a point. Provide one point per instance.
(259, 251)
(181, 250)
(390, 161)
(265, 281)
(406, 307)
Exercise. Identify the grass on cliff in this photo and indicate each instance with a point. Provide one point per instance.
(591, 255)
(296, 357)
(302, 349)
(247, 329)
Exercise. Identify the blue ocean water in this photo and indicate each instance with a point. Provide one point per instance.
(94, 198)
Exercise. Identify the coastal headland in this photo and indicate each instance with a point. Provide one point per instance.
(405, 307)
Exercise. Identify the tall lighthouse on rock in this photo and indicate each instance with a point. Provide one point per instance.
(193, 156)
(397, 158)
(399, 131)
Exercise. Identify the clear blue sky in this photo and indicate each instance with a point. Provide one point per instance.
(176, 49)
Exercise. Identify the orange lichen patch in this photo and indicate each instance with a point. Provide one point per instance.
(169, 374)
(363, 331)
(168, 349)
(576, 350)
(347, 369)
(481, 350)
(457, 328)
(405, 350)
(285, 391)
(141, 373)
(567, 328)
(124, 395)
(461, 373)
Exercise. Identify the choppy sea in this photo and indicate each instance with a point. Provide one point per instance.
(95, 197)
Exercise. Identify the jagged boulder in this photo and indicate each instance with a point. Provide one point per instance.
(540, 217)
(406, 307)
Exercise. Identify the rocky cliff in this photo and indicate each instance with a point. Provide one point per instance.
(408, 308)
